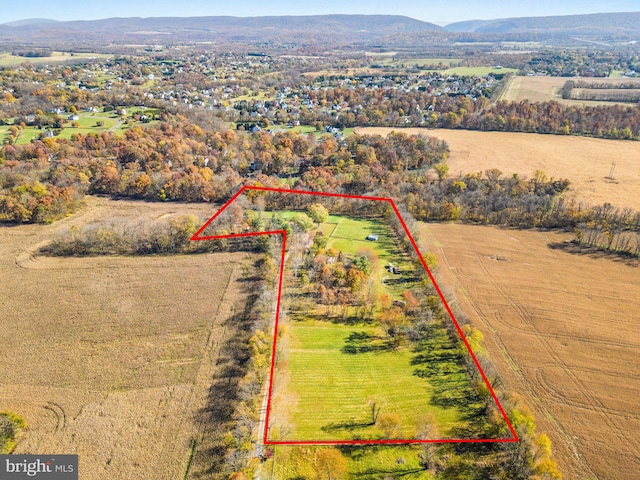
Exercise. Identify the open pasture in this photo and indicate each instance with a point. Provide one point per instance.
(112, 357)
(561, 328)
(336, 370)
(586, 162)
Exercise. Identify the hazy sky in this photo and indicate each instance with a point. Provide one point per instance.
(436, 11)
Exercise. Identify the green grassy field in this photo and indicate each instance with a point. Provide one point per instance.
(349, 237)
(335, 370)
(25, 136)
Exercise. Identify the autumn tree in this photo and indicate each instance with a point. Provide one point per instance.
(331, 464)
(237, 476)
(389, 424)
(302, 222)
(428, 430)
(392, 321)
(318, 213)
(374, 409)
(441, 169)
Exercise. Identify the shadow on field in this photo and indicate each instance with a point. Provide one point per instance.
(442, 364)
(595, 252)
(400, 281)
(334, 318)
(391, 473)
(216, 419)
(363, 342)
(400, 470)
(349, 426)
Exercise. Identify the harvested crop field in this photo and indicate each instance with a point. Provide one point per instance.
(584, 161)
(544, 89)
(112, 357)
(561, 328)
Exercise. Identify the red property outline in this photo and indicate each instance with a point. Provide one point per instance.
(196, 236)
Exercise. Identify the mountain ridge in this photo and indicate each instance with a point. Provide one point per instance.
(316, 30)
(587, 24)
(29, 21)
(350, 28)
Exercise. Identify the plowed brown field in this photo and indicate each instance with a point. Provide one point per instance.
(584, 161)
(112, 357)
(562, 330)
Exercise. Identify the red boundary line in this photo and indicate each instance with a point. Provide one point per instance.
(196, 236)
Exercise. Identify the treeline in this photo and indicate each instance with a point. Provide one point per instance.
(46, 179)
(38, 53)
(166, 236)
(234, 402)
(610, 229)
(628, 92)
(627, 96)
(36, 202)
(609, 121)
(489, 198)
(569, 84)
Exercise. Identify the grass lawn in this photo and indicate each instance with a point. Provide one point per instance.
(304, 129)
(349, 237)
(334, 370)
(307, 129)
(25, 135)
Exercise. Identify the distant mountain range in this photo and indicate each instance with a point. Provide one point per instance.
(309, 30)
(30, 21)
(613, 24)
(301, 29)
